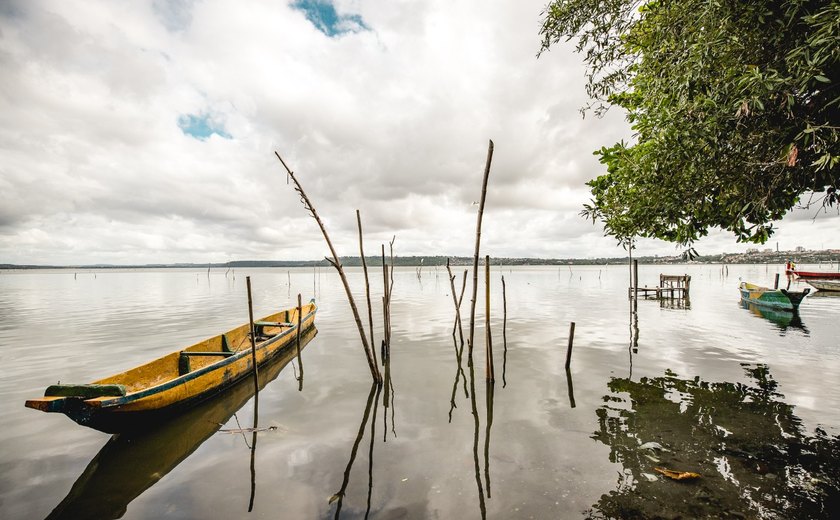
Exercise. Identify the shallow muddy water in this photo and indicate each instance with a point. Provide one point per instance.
(746, 398)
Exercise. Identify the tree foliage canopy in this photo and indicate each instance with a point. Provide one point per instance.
(734, 105)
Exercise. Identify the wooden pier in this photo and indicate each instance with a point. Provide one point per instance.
(670, 287)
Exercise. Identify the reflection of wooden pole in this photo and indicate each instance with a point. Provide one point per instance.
(253, 337)
(476, 424)
(489, 367)
(335, 262)
(339, 496)
(299, 323)
(253, 457)
(478, 246)
(461, 300)
(569, 349)
(489, 397)
(571, 388)
(456, 302)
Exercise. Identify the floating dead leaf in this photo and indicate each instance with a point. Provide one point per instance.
(677, 475)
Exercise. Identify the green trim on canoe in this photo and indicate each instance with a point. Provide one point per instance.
(84, 391)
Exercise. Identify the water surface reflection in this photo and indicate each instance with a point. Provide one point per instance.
(782, 319)
(539, 460)
(752, 452)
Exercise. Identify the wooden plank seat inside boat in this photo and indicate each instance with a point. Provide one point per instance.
(273, 324)
(185, 355)
(260, 326)
(185, 366)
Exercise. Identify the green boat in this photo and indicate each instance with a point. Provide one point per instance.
(773, 298)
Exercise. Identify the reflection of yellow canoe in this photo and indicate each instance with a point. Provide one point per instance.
(129, 464)
(166, 386)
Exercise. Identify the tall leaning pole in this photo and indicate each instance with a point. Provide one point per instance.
(478, 247)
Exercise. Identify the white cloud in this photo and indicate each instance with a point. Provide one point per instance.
(393, 121)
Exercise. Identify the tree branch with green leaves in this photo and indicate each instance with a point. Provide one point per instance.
(734, 105)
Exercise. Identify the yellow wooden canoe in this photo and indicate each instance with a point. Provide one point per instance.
(166, 386)
(130, 463)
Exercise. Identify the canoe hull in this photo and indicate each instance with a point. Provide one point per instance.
(772, 298)
(825, 285)
(152, 453)
(814, 275)
(150, 404)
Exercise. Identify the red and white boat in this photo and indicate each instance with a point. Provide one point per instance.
(813, 275)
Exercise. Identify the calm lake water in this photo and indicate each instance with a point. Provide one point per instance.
(747, 399)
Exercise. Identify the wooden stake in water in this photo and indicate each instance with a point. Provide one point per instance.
(367, 282)
(635, 279)
(299, 323)
(367, 285)
(478, 246)
(253, 337)
(386, 303)
(569, 349)
(488, 340)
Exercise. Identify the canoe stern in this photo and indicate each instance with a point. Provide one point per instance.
(47, 404)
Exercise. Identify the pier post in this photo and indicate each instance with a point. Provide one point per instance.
(636, 279)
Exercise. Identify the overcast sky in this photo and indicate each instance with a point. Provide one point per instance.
(139, 132)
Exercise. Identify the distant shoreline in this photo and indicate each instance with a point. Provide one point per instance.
(766, 257)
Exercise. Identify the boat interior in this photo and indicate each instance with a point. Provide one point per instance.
(204, 353)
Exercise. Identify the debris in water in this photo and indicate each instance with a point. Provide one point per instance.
(653, 446)
(677, 475)
(248, 430)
